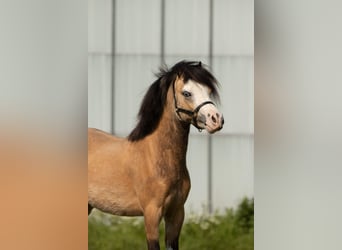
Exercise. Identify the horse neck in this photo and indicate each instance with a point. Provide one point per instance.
(171, 138)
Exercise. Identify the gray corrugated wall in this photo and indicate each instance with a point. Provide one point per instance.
(137, 52)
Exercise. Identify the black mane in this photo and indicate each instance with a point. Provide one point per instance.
(153, 104)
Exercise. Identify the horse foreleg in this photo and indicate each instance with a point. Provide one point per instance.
(152, 216)
(173, 225)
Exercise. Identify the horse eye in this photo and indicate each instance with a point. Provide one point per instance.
(186, 93)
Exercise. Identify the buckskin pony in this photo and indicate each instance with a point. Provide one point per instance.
(145, 174)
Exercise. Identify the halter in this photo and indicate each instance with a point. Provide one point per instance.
(193, 114)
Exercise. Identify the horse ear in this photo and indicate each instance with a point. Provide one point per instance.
(200, 63)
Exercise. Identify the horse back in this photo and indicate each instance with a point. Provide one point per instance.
(98, 138)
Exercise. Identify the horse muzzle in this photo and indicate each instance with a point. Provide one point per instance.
(211, 121)
(214, 122)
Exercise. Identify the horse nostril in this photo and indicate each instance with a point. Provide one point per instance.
(222, 120)
(214, 119)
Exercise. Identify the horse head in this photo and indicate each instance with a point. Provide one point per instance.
(194, 101)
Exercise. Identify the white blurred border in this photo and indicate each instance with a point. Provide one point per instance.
(298, 122)
(43, 124)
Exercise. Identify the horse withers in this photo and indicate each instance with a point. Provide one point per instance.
(145, 174)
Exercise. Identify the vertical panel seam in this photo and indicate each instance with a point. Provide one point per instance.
(162, 33)
(210, 160)
(113, 69)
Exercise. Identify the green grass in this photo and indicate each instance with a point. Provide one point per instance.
(232, 230)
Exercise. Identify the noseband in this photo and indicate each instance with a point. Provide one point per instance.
(193, 114)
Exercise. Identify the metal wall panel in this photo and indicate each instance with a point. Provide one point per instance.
(232, 169)
(133, 76)
(99, 63)
(233, 27)
(187, 27)
(138, 27)
(137, 55)
(196, 158)
(100, 26)
(99, 95)
(235, 74)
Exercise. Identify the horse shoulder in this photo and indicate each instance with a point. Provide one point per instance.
(104, 151)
